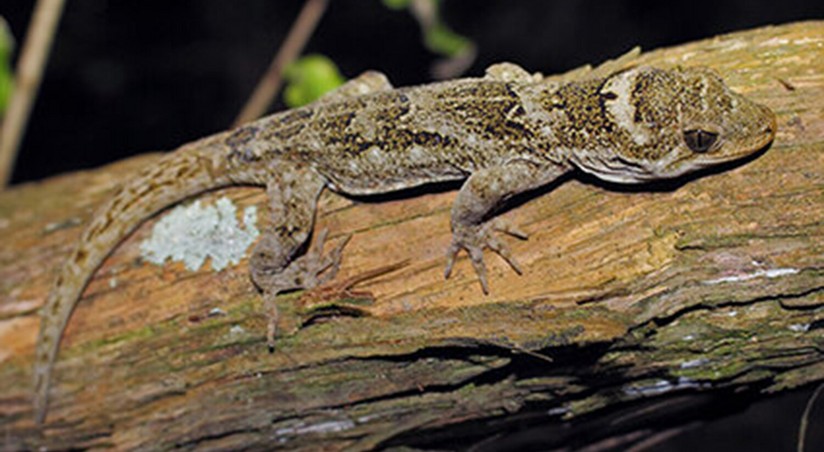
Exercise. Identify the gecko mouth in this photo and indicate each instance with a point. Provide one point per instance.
(763, 139)
(744, 147)
(767, 133)
(770, 130)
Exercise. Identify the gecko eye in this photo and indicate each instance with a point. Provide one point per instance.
(699, 140)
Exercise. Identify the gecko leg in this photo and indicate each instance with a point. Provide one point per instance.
(274, 265)
(485, 191)
(314, 269)
(277, 264)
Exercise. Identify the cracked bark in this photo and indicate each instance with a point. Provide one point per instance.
(634, 304)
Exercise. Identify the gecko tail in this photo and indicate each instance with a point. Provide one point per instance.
(195, 168)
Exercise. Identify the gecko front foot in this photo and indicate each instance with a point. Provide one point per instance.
(474, 239)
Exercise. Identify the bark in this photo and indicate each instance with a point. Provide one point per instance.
(655, 295)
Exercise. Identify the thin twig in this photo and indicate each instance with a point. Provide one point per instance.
(805, 418)
(30, 67)
(269, 85)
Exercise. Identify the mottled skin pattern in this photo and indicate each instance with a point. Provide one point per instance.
(504, 134)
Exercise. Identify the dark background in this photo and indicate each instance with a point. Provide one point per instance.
(131, 77)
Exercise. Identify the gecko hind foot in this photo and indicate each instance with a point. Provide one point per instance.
(311, 270)
(305, 272)
(474, 239)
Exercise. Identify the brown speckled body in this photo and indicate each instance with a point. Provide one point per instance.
(410, 136)
(505, 133)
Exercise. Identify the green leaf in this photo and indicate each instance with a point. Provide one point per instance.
(6, 77)
(309, 78)
(397, 4)
(440, 39)
(437, 36)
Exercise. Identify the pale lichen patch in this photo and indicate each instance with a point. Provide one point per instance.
(799, 327)
(190, 234)
(760, 273)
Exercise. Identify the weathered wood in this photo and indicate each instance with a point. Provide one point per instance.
(701, 285)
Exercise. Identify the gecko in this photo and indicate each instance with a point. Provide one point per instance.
(502, 134)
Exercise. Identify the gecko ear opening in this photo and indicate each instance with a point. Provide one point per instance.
(700, 140)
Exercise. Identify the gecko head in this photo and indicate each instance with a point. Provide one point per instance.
(715, 124)
(680, 120)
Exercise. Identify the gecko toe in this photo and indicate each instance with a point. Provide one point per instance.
(502, 249)
(476, 256)
(502, 226)
(272, 317)
(329, 264)
(451, 255)
(474, 239)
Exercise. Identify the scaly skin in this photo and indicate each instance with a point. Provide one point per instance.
(505, 133)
